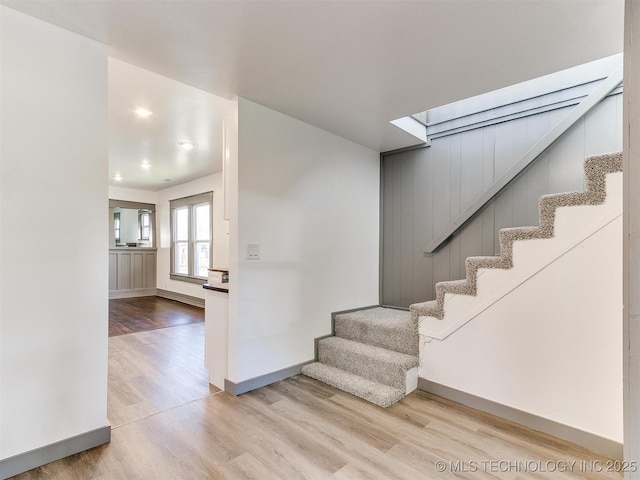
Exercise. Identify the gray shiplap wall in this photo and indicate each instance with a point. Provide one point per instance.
(424, 189)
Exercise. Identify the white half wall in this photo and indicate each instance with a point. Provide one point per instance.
(310, 200)
(552, 346)
(53, 271)
(163, 219)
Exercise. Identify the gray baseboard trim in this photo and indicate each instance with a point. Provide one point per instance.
(333, 315)
(263, 380)
(393, 307)
(49, 453)
(180, 297)
(333, 327)
(134, 292)
(571, 434)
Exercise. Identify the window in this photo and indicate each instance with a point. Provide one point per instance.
(191, 237)
(116, 226)
(144, 224)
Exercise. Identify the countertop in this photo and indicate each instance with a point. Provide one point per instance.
(218, 287)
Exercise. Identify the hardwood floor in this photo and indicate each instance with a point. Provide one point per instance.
(168, 423)
(140, 314)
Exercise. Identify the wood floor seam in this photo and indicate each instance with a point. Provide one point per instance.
(164, 411)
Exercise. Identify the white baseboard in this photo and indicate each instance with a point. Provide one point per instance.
(134, 292)
(180, 297)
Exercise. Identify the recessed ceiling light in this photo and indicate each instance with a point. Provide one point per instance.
(145, 163)
(187, 145)
(143, 112)
(117, 177)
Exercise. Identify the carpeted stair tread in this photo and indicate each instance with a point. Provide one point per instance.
(379, 364)
(387, 328)
(374, 392)
(476, 263)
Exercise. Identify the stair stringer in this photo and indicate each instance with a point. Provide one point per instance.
(560, 229)
(573, 226)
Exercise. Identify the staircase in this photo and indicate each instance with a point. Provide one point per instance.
(373, 355)
(596, 169)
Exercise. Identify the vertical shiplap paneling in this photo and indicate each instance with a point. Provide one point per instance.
(406, 226)
(454, 205)
(113, 271)
(470, 242)
(537, 175)
(441, 151)
(441, 267)
(455, 258)
(472, 166)
(396, 225)
(537, 183)
(422, 223)
(137, 270)
(504, 158)
(488, 177)
(150, 268)
(488, 156)
(521, 144)
(600, 135)
(566, 159)
(124, 271)
(471, 180)
(425, 189)
(504, 133)
(455, 176)
(388, 171)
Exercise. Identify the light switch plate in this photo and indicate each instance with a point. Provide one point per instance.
(253, 251)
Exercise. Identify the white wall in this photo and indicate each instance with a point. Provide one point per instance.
(163, 219)
(230, 176)
(132, 195)
(552, 346)
(310, 199)
(53, 291)
(631, 156)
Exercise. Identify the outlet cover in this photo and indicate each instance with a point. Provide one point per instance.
(253, 251)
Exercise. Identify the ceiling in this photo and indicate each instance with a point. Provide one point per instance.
(349, 67)
(145, 152)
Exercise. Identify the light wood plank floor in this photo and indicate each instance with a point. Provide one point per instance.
(169, 424)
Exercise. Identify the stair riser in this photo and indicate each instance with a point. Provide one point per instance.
(373, 368)
(396, 339)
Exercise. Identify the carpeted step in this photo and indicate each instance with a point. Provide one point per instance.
(374, 392)
(381, 327)
(378, 364)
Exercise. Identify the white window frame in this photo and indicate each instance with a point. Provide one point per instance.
(190, 202)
